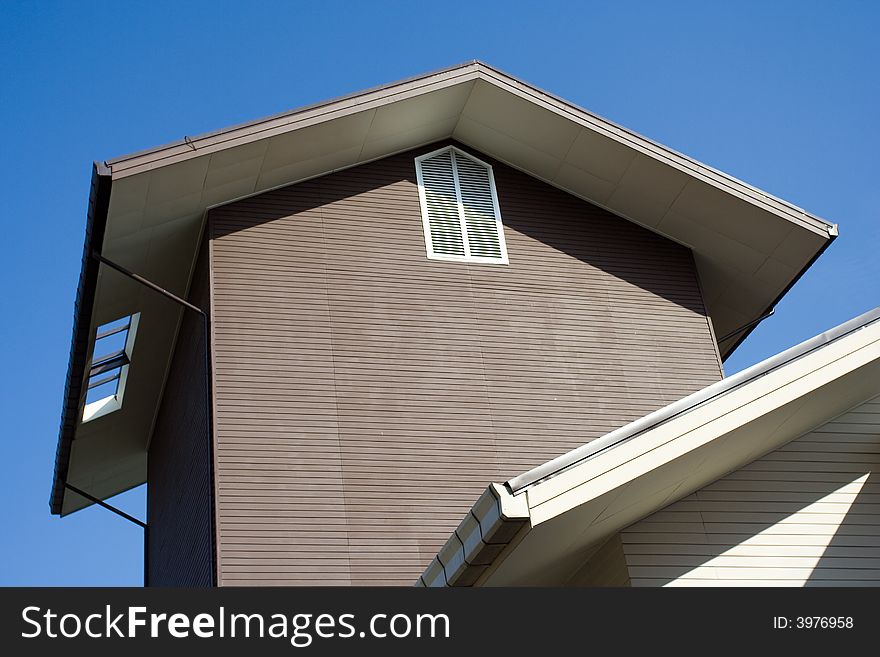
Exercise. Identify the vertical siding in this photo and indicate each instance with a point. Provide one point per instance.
(365, 395)
(181, 541)
(806, 514)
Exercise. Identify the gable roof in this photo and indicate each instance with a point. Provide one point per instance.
(147, 211)
(537, 527)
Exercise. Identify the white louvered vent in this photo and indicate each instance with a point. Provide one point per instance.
(460, 207)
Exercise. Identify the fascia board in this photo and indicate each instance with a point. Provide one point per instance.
(96, 219)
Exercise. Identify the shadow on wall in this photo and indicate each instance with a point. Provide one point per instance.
(600, 239)
(807, 514)
(409, 384)
(852, 556)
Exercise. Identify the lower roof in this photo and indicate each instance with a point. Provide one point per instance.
(537, 527)
(147, 211)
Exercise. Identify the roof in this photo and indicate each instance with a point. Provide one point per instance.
(537, 527)
(147, 212)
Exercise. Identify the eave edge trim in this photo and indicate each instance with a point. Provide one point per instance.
(96, 223)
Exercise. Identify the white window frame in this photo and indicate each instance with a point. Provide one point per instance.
(423, 202)
(101, 407)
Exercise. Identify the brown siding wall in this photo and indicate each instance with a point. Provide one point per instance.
(181, 541)
(366, 395)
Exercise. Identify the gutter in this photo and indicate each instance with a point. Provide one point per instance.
(96, 223)
(488, 528)
(518, 484)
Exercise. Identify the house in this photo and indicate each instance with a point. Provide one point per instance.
(318, 337)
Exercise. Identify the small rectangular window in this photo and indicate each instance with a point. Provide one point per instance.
(108, 369)
(460, 211)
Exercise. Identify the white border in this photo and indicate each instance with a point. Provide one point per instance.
(423, 203)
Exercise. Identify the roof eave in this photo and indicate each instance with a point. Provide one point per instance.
(727, 351)
(196, 144)
(255, 125)
(96, 223)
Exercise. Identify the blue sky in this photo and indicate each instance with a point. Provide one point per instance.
(783, 95)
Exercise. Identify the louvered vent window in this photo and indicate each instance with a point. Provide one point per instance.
(460, 208)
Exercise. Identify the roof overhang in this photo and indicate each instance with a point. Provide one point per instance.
(538, 528)
(749, 246)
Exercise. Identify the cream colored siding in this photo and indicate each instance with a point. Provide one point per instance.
(807, 514)
(607, 567)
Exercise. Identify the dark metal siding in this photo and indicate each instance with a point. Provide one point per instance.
(181, 541)
(366, 395)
